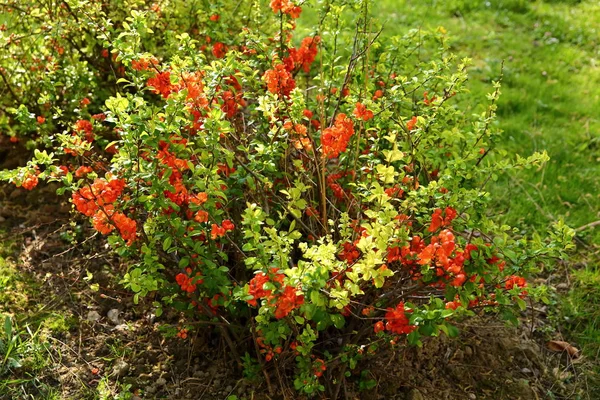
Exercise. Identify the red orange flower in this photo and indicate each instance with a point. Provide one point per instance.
(85, 127)
(304, 56)
(437, 220)
(361, 112)
(82, 171)
(397, 321)
(286, 7)
(319, 367)
(287, 301)
(161, 84)
(410, 125)
(29, 182)
(335, 139)
(219, 50)
(279, 80)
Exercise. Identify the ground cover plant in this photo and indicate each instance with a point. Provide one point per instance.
(316, 198)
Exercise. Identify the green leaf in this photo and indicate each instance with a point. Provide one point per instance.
(117, 104)
(184, 262)
(167, 243)
(521, 303)
(413, 338)
(452, 331)
(8, 328)
(427, 330)
(338, 320)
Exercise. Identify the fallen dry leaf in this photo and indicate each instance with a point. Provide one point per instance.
(558, 345)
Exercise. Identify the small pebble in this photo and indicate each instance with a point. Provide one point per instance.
(93, 316)
(113, 316)
(120, 368)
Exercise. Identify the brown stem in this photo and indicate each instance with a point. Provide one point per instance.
(12, 93)
(260, 360)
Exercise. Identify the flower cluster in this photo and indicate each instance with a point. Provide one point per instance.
(285, 299)
(96, 200)
(29, 181)
(169, 159)
(304, 56)
(102, 192)
(396, 320)
(83, 171)
(516, 281)
(440, 252)
(219, 50)
(188, 283)
(182, 333)
(161, 84)
(437, 220)
(336, 188)
(350, 253)
(86, 128)
(361, 112)
(335, 139)
(265, 349)
(106, 219)
(412, 123)
(229, 94)
(300, 140)
(220, 231)
(319, 367)
(144, 63)
(279, 80)
(256, 285)
(286, 7)
(232, 101)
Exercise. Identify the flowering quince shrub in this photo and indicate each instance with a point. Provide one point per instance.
(319, 198)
